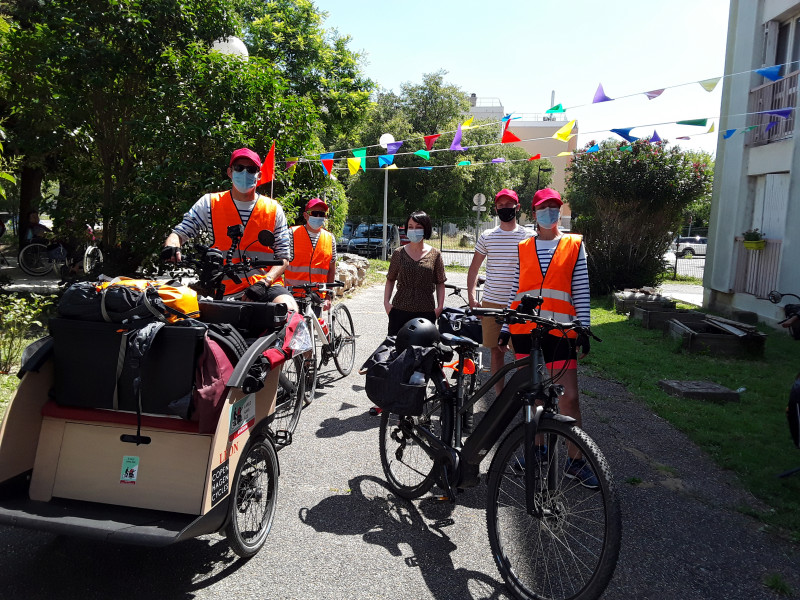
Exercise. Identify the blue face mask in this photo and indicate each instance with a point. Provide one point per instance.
(547, 217)
(316, 222)
(415, 235)
(244, 181)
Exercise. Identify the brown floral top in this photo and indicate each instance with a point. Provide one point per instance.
(416, 280)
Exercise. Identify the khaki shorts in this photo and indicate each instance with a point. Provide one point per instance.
(491, 328)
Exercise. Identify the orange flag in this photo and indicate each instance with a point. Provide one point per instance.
(537, 157)
(268, 166)
(509, 137)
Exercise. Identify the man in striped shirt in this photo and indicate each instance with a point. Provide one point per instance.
(213, 213)
(499, 247)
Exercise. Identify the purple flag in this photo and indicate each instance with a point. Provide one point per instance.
(655, 137)
(498, 160)
(654, 94)
(770, 125)
(456, 145)
(393, 147)
(600, 95)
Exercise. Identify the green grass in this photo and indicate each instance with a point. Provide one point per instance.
(776, 583)
(750, 438)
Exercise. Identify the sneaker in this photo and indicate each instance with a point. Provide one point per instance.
(375, 410)
(576, 468)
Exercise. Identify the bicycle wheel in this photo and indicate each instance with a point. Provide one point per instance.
(254, 497)
(408, 469)
(343, 339)
(569, 549)
(92, 260)
(34, 260)
(289, 401)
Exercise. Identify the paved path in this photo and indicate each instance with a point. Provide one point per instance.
(339, 533)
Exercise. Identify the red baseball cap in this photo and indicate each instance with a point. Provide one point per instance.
(545, 195)
(245, 153)
(508, 193)
(314, 202)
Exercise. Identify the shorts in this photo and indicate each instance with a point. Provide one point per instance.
(259, 292)
(398, 318)
(491, 328)
(558, 351)
(274, 291)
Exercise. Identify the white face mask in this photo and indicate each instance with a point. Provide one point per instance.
(316, 222)
(547, 217)
(415, 235)
(244, 181)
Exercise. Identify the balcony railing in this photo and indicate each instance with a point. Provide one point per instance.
(757, 270)
(772, 96)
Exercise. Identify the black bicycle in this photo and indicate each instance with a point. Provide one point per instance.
(550, 534)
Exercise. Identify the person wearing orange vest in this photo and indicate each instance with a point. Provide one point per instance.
(214, 212)
(553, 266)
(314, 250)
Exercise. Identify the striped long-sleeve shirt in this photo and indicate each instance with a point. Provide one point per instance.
(198, 220)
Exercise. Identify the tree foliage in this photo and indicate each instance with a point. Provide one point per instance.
(627, 200)
(123, 103)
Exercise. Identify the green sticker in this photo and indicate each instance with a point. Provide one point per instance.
(130, 469)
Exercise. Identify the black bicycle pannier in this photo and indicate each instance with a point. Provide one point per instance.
(390, 375)
(456, 321)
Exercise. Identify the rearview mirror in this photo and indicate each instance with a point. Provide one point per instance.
(775, 296)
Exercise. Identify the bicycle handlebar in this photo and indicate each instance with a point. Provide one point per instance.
(511, 317)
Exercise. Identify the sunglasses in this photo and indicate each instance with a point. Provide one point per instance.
(317, 213)
(250, 169)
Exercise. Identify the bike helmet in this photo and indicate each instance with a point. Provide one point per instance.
(417, 332)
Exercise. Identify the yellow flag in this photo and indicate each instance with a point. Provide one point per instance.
(467, 123)
(711, 129)
(709, 84)
(564, 153)
(392, 166)
(354, 164)
(564, 134)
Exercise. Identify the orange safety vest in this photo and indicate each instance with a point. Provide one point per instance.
(555, 287)
(223, 214)
(311, 263)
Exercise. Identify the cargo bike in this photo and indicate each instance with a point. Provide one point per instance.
(91, 445)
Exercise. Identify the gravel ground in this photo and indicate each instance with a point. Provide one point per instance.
(340, 533)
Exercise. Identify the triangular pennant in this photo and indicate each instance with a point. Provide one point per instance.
(565, 132)
(467, 123)
(327, 165)
(393, 147)
(354, 164)
(390, 167)
(625, 134)
(425, 168)
(709, 84)
(555, 109)
(463, 163)
(362, 154)
(746, 129)
(711, 129)
(595, 148)
(384, 160)
(498, 160)
(626, 148)
(728, 133)
(600, 95)
(564, 154)
(654, 137)
(770, 125)
(780, 112)
(509, 138)
(684, 137)
(424, 154)
(537, 157)
(651, 95)
(771, 73)
(291, 163)
(430, 140)
(456, 145)
(695, 122)
(268, 166)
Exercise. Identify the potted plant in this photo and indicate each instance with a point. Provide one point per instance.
(754, 239)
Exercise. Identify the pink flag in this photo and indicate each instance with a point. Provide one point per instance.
(653, 94)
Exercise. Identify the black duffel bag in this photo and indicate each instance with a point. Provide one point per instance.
(456, 321)
(83, 301)
(389, 376)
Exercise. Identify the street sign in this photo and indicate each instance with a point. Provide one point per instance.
(479, 199)
(479, 208)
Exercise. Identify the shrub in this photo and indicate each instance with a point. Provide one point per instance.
(17, 317)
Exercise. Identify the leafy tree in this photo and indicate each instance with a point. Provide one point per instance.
(626, 200)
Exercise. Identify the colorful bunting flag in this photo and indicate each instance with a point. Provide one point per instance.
(770, 125)
(780, 112)
(595, 148)
(651, 95)
(456, 145)
(384, 160)
(327, 162)
(654, 137)
(361, 153)
(711, 129)
(509, 138)
(626, 148)
(728, 133)
(625, 134)
(555, 109)
(771, 73)
(537, 157)
(709, 84)
(425, 168)
(565, 133)
(695, 122)
(424, 154)
(564, 154)
(684, 137)
(467, 123)
(498, 160)
(430, 140)
(354, 164)
(390, 167)
(393, 147)
(291, 163)
(600, 95)
(463, 163)
(268, 166)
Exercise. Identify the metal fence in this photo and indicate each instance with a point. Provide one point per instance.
(685, 267)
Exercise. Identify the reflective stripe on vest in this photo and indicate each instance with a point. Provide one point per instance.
(311, 263)
(555, 287)
(223, 214)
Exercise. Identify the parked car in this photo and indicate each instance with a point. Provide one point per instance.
(687, 247)
(367, 240)
(403, 236)
(344, 239)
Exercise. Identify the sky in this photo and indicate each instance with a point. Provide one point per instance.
(519, 51)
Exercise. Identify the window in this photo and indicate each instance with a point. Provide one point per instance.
(782, 44)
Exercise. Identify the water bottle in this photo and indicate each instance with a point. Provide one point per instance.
(417, 378)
